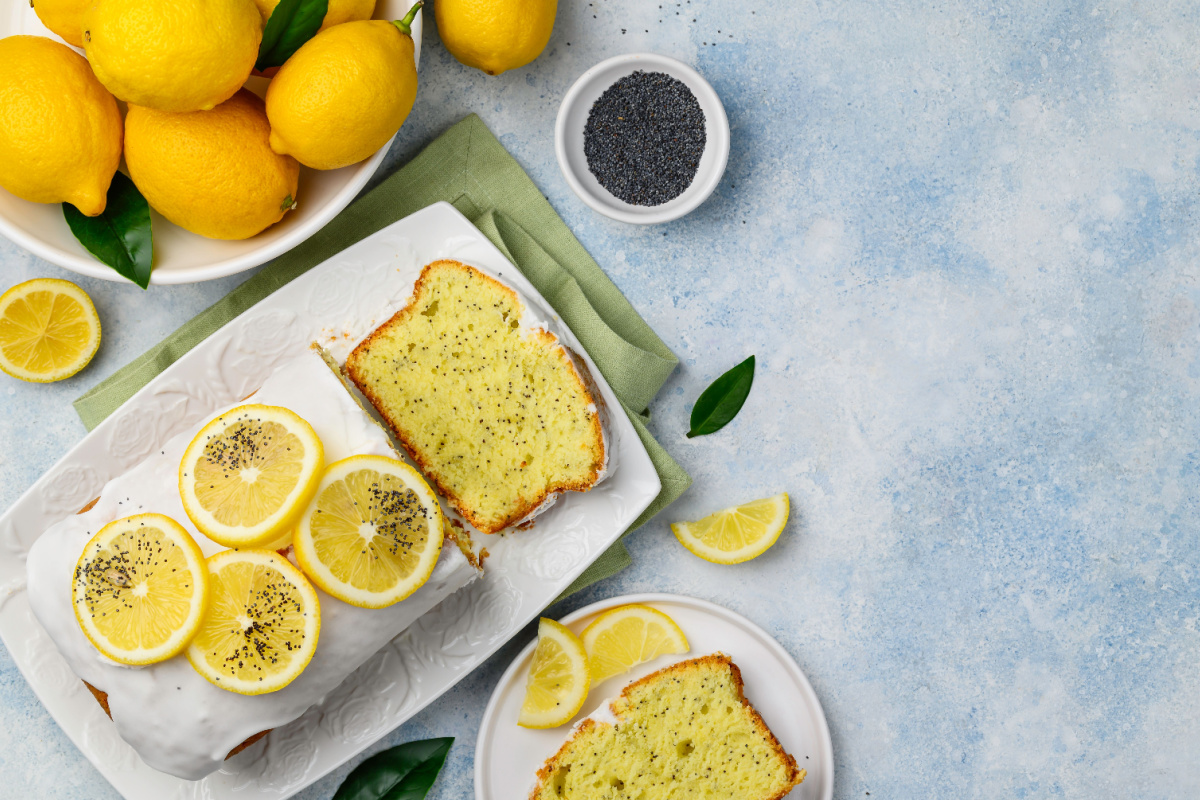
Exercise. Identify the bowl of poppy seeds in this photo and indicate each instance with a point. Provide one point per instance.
(642, 138)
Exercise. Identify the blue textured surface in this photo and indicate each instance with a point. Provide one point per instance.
(962, 240)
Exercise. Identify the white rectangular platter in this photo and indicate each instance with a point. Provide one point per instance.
(337, 303)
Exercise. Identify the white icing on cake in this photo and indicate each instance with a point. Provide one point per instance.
(603, 714)
(176, 720)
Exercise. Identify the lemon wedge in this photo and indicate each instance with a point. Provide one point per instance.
(558, 679)
(372, 534)
(621, 638)
(736, 534)
(248, 474)
(49, 330)
(140, 589)
(262, 624)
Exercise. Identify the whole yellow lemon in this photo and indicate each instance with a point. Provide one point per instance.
(64, 17)
(60, 130)
(344, 94)
(211, 172)
(172, 55)
(495, 35)
(339, 11)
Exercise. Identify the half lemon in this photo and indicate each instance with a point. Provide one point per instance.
(372, 534)
(262, 624)
(140, 589)
(558, 679)
(621, 638)
(49, 330)
(735, 534)
(248, 474)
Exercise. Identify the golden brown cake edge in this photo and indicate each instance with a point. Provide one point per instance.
(526, 508)
(795, 774)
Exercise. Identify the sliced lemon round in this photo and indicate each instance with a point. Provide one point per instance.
(372, 534)
(49, 330)
(736, 534)
(262, 624)
(621, 638)
(140, 589)
(248, 474)
(558, 679)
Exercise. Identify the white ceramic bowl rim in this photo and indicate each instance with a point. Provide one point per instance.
(572, 115)
(50, 239)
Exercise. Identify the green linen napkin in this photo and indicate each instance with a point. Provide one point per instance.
(468, 167)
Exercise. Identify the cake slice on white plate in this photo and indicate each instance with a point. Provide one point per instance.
(683, 731)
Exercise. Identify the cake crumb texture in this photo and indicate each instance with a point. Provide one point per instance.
(497, 416)
(686, 731)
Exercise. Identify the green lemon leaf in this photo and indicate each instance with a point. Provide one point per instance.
(405, 772)
(292, 23)
(121, 235)
(720, 402)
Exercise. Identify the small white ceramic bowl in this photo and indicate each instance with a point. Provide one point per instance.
(179, 256)
(572, 117)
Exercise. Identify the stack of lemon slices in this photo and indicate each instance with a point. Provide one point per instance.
(366, 530)
(566, 666)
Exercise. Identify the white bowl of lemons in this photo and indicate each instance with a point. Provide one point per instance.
(181, 256)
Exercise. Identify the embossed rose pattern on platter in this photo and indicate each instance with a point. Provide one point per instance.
(106, 746)
(69, 488)
(47, 666)
(483, 612)
(555, 545)
(290, 753)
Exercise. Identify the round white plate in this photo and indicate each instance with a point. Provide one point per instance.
(179, 256)
(573, 115)
(507, 757)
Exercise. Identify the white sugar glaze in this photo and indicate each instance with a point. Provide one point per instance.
(603, 714)
(178, 722)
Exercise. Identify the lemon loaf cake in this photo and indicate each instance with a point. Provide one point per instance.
(496, 411)
(684, 731)
(176, 720)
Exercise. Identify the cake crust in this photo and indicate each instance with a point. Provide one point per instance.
(795, 775)
(525, 507)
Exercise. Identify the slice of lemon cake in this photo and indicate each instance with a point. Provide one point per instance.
(496, 411)
(684, 731)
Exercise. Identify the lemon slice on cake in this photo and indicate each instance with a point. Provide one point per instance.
(558, 679)
(248, 474)
(49, 330)
(372, 534)
(262, 624)
(140, 589)
(621, 638)
(735, 534)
